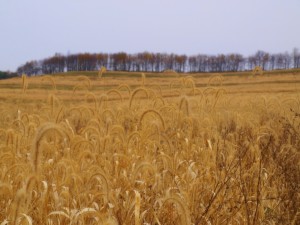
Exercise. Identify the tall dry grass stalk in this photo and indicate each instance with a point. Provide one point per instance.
(137, 208)
(24, 83)
(101, 71)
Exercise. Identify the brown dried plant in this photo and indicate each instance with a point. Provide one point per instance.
(146, 156)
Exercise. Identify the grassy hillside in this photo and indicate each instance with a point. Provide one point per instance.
(153, 149)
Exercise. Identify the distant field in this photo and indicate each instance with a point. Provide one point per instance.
(234, 83)
(127, 148)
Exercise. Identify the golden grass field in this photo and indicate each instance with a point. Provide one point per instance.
(126, 148)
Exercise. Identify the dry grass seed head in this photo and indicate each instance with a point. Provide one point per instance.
(51, 79)
(42, 131)
(126, 87)
(184, 103)
(117, 92)
(180, 206)
(154, 112)
(135, 92)
(215, 78)
(93, 97)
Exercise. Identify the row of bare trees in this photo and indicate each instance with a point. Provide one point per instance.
(157, 62)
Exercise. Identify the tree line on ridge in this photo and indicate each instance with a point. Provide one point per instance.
(158, 62)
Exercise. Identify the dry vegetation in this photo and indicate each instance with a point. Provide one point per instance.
(149, 149)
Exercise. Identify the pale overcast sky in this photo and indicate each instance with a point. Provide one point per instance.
(36, 29)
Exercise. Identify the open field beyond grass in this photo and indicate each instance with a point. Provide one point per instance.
(154, 149)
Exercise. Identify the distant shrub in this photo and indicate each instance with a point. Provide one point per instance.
(257, 71)
(5, 75)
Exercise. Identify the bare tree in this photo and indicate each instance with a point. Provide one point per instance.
(296, 58)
